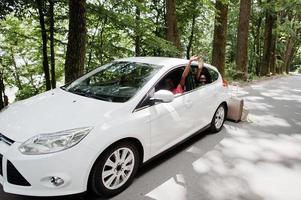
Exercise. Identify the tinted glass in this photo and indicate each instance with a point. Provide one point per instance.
(207, 76)
(116, 82)
(171, 80)
(213, 74)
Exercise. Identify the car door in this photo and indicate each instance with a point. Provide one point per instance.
(170, 122)
(205, 98)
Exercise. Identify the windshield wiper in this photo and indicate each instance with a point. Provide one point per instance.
(79, 92)
(99, 97)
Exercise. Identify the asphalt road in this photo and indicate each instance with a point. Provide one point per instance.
(257, 159)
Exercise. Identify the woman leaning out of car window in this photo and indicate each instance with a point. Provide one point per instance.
(180, 87)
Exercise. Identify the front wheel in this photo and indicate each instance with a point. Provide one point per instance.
(218, 119)
(114, 170)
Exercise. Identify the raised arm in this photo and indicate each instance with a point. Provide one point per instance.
(186, 70)
(200, 68)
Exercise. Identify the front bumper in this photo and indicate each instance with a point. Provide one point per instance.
(72, 165)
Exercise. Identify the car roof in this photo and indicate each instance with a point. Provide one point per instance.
(166, 62)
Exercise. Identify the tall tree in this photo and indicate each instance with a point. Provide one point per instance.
(256, 31)
(52, 54)
(40, 5)
(1, 92)
(138, 31)
(220, 36)
(268, 40)
(242, 40)
(274, 39)
(288, 53)
(172, 34)
(189, 46)
(76, 47)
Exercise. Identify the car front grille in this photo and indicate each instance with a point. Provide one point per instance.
(1, 170)
(14, 176)
(6, 140)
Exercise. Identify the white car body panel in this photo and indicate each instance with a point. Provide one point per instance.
(156, 127)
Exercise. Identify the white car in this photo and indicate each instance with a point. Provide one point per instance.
(94, 133)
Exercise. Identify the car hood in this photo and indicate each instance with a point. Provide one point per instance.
(53, 111)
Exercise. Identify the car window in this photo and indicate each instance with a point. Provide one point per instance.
(213, 74)
(117, 82)
(207, 76)
(170, 81)
(146, 100)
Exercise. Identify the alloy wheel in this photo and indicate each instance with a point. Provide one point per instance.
(219, 117)
(118, 168)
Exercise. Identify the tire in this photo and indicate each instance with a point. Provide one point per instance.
(109, 176)
(218, 119)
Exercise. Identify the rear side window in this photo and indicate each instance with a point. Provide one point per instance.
(206, 77)
(213, 74)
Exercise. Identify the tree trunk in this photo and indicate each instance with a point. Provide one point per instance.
(242, 40)
(15, 73)
(160, 30)
(220, 36)
(288, 54)
(191, 36)
(172, 34)
(257, 48)
(137, 32)
(101, 51)
(40, 4)
(52, 55)
(268, 39)
(273, 47)
(76, 47)
(1, 92)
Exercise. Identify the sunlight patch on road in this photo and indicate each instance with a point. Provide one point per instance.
(272, 181)
(237, 91)
(281, 95)
(253, 98)
(259, 106)
(174, 188)
(258, 87)
(268, 120)
(252, 164)
(295, 90)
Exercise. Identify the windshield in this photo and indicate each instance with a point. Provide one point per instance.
(116, 82)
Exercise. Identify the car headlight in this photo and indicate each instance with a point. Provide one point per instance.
(54, 142)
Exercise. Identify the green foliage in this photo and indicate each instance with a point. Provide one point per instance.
(230, 71)
(28, 91)
(203, 11)
(113, 26)
(21, 58)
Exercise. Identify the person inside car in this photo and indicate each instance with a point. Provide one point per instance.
(180, 87)
(202, 79)
(202, 76)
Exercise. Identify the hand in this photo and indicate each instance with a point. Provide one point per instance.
(193, 58)
(201, 63)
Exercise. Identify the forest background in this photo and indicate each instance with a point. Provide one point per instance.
(47, 43)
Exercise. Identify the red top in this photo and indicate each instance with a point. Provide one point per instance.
(178, 90)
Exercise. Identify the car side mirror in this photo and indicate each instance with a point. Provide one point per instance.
(164, 96)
